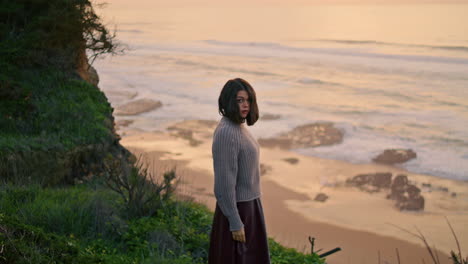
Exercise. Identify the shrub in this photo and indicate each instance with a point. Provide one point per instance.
(52, 125)
(189, 223)
(178, 232)
(64, 211)
(282, 255)
(81, 224)
(45, 34)
(68, 130)
(142, 194)
(21, 243)
(51, 32)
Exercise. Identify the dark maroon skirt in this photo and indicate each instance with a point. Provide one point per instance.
(225, 250)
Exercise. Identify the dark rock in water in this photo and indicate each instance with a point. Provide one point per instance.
(382, 180)
(317, 134)
(371, 182)
(398, 187)
(443, 189)
(291, 160)
(309, 135)
(321, 197)
(427, 185)
(407, 196)
(393, 156)
(413, 191)
(412, 201)
(414, 204)
(267, 117)
(138, 107)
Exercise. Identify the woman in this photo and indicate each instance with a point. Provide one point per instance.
(238, 235)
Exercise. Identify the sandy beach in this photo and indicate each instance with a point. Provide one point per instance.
(367, 226)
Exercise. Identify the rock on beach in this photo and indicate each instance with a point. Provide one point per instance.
(393, 156)
(372, 182)
(137, 107)
(270, 117)
(406, 196)
(123, 123)
(304, 136)
(321, 197)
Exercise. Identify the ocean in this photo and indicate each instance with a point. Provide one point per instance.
(389, 76)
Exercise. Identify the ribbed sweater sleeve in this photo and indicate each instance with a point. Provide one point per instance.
(226, 146)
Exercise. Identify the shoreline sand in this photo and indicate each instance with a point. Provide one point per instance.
(362, 224)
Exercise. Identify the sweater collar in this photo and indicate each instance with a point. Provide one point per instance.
(230, 122)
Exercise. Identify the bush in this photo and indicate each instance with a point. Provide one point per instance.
(84, 224)
(178, 229)
(457, 258)
(64, 211)
(44, 34)
(21, 243)
(189, 223)
(51, 32)
(282, 255)
(142, 194)
(66, 112)
(68, 128)
(54, 128)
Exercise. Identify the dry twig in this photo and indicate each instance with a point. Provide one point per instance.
(432, 252)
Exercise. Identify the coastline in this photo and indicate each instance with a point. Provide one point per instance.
(350, 215)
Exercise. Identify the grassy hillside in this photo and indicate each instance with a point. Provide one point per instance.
(66, 127)
(52, 121)
(87, 224)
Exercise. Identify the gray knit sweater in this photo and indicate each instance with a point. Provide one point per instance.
(236, 169)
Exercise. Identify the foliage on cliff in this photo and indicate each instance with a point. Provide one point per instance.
(68, 123)
(44, 34)
(51, 121)
(51, 32)
(89, 223)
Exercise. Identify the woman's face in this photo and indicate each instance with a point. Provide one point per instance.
(243, 102)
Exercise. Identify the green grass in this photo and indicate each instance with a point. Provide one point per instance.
(282, 255)
(86, 224)
(63, 211)
(23, 243)
(43, 104)
(51, 122)
(65, 113)
(56, 134)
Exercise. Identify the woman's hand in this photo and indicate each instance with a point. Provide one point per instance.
(239, 235)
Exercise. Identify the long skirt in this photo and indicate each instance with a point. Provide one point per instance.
(225, 250)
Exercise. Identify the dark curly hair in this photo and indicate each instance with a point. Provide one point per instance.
(228, 105)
